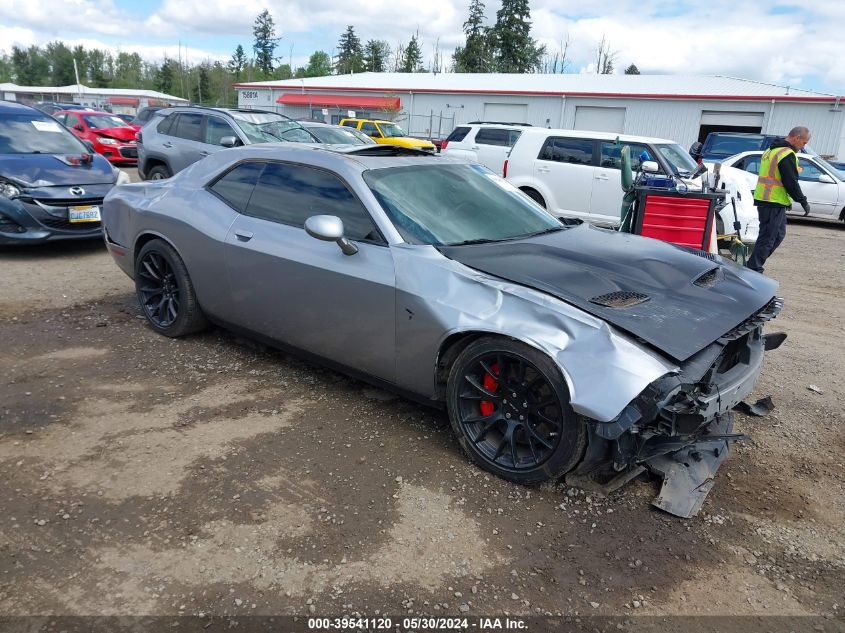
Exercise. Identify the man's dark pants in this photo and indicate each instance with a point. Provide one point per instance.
(772, 231)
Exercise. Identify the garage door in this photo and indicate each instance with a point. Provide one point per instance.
(506, 112)
(732, 119)
(599, 119)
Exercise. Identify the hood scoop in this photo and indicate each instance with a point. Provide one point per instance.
(709, 279)
(620, 299)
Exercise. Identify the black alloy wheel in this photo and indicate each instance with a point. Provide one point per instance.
(509, 406)
(165, 291)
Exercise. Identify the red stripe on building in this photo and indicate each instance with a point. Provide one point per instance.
(312, 99)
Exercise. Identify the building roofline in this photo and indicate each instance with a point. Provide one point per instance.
(552, 93)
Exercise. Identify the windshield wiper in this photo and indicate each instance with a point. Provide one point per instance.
(551, 229)
(482, 240)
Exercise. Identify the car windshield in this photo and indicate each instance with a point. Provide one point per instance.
(103, 121)
(339, 135)
(391, 130)
(35, 134)
(679, 160)
(266, 127)
(455, 204)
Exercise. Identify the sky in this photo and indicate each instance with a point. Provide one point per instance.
(783, 42)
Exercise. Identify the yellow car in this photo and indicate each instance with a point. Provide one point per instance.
(388, 133)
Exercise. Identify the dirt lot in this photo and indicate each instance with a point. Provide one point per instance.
(143, 475)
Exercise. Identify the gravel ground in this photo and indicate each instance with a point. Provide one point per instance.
(144, 475)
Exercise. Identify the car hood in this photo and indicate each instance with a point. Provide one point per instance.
(46, 170)
(118, 133)
(670, 297)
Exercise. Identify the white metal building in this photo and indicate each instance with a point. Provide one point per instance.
(119, 100)
(677, 107)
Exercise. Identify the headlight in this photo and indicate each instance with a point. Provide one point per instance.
(8, 190)
(107, 141)
(122, 178)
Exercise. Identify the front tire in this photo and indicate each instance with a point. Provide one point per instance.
(509, 407)
(159, 172)
(165, 291)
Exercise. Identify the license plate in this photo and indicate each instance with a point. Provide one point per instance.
(83, 214)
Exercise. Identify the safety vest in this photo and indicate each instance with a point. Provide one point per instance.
(769, 185)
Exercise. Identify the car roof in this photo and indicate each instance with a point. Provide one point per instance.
(761, 151)
(601, 136)
(13, 107)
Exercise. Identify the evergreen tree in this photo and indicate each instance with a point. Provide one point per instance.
(376, 53)
(319, 65)
(476, 55)
(266, 42)
(97, 68)
(515, 50)
(283, 72)
(202, 86)
(60, 59)
(412, 62)
(632, 70)
(30, 66)
(350, 54)
(238, 62)
(6, 68)
(164, 77)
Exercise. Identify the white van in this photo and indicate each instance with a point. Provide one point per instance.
(577, 174)
(483, 142)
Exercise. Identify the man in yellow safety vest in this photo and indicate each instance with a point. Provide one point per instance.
(777, 187)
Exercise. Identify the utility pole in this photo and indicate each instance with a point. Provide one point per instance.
(78, 85)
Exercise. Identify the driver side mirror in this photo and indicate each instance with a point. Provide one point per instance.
(229, 141)
(650, 167)
(826, 179)
(329, 228)
(78, 126)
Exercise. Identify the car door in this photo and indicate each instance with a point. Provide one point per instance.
(565, 169)
(185, 145)
(491, 147)
(304, 292)
(822, 196)
(371, 129)
(606, 198)
(216, 129)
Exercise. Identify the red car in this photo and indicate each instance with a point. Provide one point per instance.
(112, 137)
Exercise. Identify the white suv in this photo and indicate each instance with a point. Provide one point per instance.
(577, 174)
(483, 142)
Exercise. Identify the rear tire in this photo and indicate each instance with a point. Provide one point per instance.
(165, 291)
(509, 407)
(159, 172)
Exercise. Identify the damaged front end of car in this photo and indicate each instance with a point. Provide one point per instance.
(681, 426)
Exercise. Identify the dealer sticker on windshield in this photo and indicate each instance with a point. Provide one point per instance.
(85, 213)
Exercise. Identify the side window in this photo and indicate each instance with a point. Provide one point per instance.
(188, 127)
(514, 137)
(808, 171)
(492, 136)
(751, 164)
(235, 187)
(611, 155)
(350, 124)
(290, 194)
(166, 124)
(216, 128)
(458, 134)
(577, 151)
(72, 120)
(370, 129)
(62, 118)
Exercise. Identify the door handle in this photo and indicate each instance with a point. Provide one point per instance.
(601, 177)
(544, 170)
(475, 147)
(203, 153)
(167, 144)
(244, 236)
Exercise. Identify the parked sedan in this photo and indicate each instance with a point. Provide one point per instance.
(823, 184)
(51, 186)
(336, 134)
(556, 350)
(110, 135)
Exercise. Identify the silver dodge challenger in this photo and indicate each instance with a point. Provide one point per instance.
(557, 350)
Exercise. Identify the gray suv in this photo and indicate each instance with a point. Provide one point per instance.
(177, 137)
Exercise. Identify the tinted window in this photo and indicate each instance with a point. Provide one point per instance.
(236, 186)
(458, 134)
(808, 171)
(578, 151)
(611, 155)
(370, 129)
(188, 126)
(350, 124)
(166, 124)
(216, 129)
(493, 136)
(290, 194)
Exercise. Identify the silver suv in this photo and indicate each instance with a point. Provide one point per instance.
(485, 142)
(177, 137)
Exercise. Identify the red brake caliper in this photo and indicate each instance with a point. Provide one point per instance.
(490, 385)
